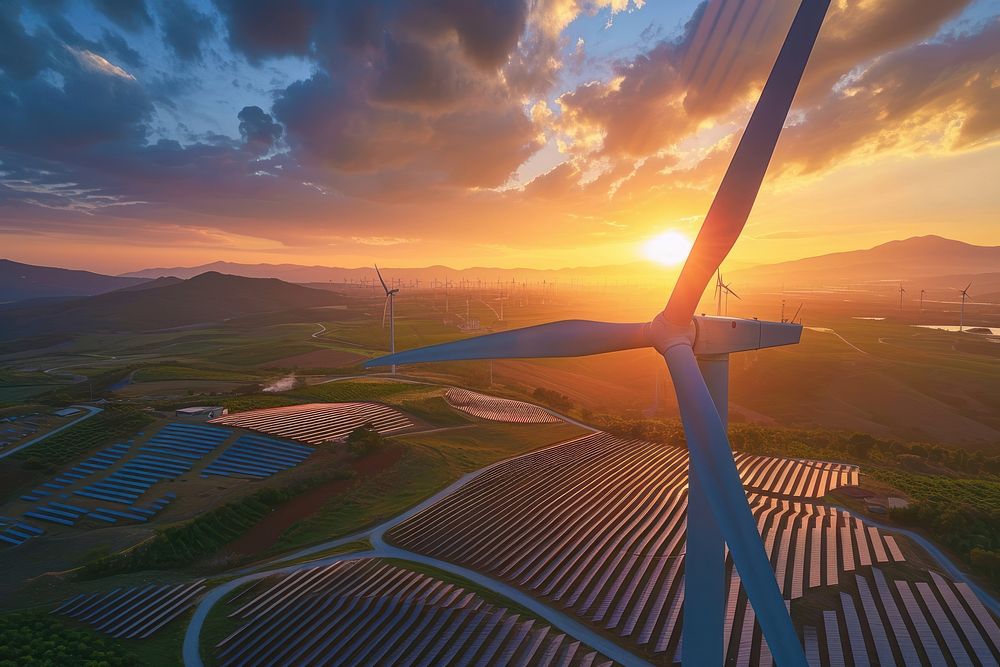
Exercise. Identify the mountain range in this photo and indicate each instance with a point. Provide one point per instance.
(164, 303)
(25, 281)
(931, 261)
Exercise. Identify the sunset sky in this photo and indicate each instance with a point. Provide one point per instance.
(547, 133)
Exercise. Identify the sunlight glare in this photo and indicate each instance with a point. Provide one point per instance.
(669, 248)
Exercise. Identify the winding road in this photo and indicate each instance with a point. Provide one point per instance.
(381, 549)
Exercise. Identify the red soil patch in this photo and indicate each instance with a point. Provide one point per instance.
(316, 359)
(269, 529)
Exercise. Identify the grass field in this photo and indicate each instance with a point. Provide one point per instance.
(106, 427)
(428, 463)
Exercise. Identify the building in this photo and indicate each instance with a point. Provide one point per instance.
(201, 412)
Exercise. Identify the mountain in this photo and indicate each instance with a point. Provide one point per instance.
(928, 259)
(25, 281)
(207, 298)
(314, 275)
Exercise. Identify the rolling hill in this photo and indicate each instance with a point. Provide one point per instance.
(206, 298)
(935, 261)
(25, 281)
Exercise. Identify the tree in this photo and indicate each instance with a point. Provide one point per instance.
(364, 440)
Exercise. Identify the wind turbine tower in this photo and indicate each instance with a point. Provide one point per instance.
(720, 289)
(696, 350)
(961, 317)
(389, 298)
(901, 293)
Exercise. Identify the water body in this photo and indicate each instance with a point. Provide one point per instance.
(985, 331)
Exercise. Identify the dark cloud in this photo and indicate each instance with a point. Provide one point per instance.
(131, 15)
(117, 46)
(184, 28)
(266, 28)
(258, 130)
(86, 102)
(21, 56)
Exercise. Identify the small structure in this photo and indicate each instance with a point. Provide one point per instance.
(66, 412)
(882, 505)
(201, 412)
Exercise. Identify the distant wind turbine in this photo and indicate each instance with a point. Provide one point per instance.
(961, 317)
(389, 298)
(922, 300)
(901, 293)
(723, 288)
(696, 350)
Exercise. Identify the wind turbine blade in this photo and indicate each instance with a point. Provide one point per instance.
(731, 207)
(568, 338)
(379, 273)
(967, 287)
(728, 289)
(711, 459)
(385, 305)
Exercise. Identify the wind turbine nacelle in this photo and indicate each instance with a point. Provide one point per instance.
(722, 335)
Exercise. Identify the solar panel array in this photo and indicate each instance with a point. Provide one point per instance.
(897, 622)
(81, 492)
(257, 457)
(132, 613)
(15, 532)
(597, 525)
(315, 423)
(367, 612)
(498, 409)
(798, 478)
(99, 461)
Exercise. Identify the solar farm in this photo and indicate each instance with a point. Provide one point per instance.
(316, 423)
(497, 409)
(368, 612)
(592, 528)
(597, 526)
(124, 483)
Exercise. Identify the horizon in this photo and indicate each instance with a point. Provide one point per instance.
(203, 140)
(646, 262)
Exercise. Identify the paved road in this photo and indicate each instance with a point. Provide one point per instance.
(831, 331)
(381, 548)
(91, 411)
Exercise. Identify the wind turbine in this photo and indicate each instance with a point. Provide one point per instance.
(922, 300)
(961, 317)
(901, 293)
(389, 294)
(723, 288)
(696, 350)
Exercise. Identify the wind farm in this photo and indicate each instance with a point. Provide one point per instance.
(499, 334)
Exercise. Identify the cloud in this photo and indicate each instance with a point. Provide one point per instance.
(131, 15)
(96, 63)
(185, 28)
(258, 130)
(262, 28)
(940, 95)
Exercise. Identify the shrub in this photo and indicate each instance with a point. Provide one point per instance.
(364, 440)
(35, 638)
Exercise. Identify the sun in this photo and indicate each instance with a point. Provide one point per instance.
(669, 248)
